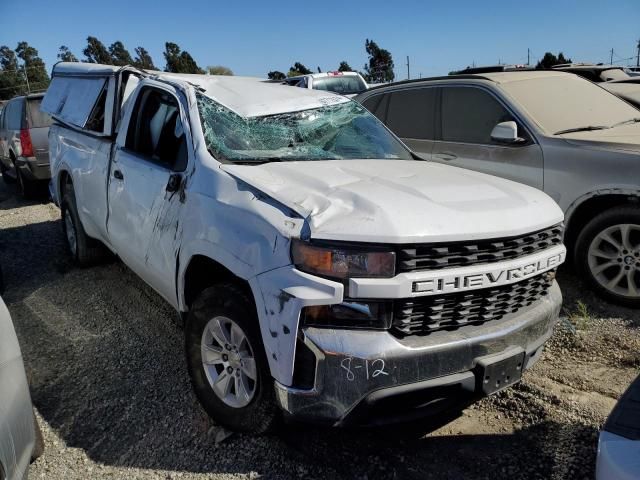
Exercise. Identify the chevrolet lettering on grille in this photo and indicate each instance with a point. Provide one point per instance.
(491, 275)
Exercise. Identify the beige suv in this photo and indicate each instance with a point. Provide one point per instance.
(554, 131)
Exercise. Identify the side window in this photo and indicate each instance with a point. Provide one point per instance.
(13, 115)
(156, 132)
(411, 113)
(377, 105)
(469, 115)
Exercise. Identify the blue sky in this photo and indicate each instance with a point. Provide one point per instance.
(252, 37)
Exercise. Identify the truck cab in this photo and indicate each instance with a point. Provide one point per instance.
(322, 270)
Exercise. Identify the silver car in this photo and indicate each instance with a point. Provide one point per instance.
(20, 436)
(554, 131)
(24, 143)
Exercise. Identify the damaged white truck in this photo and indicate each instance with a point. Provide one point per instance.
(320, 268)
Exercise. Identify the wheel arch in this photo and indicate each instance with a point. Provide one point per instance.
(592, 204)
(202, 272)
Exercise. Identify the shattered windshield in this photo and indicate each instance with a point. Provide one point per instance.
(337, 132)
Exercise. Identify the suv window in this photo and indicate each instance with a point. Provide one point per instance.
(36, 117)
(156, 131)
(469, 115)
(13, 115)
(377, 105)
(410, 113)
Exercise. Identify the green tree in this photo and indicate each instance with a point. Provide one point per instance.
(276, 75)
(96, 52)
(119, 55)
(65, 55)
(345, 67)
(33, 67)
(179, 61)
(380, 66)
(219, 70)
(143, 59)
(12, 80)
(298, 69)
(549, 60)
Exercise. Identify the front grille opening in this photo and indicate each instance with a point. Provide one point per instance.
(438, 256)
(424, 315)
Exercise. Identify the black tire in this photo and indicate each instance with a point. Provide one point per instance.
(227, 300)
(87, 251)
(9, 180)
(28, 189)
(38, 448)
(609, 218)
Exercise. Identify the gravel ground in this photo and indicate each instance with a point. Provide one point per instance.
(108, 378)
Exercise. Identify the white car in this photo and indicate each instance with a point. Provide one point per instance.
(343, 83)
(20, 436)
(320, 268)
(619, 442)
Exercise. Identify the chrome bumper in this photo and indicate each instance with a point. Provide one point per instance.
(356, 367)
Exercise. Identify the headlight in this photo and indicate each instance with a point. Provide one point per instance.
(343, 262)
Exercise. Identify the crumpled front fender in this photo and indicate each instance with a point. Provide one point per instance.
(280, 295)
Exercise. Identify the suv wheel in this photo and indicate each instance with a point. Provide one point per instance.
(608, 255)
(227, 362)
(83, 249)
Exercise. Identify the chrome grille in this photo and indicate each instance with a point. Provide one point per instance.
(423, 315)
(435, 256)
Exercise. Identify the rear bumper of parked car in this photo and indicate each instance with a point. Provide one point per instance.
(365, 377)
(34, 168)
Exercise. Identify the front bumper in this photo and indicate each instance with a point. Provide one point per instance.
(356, 370)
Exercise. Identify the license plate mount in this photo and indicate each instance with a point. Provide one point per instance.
(496, 373)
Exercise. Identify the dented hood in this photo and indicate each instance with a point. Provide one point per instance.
(398, 201)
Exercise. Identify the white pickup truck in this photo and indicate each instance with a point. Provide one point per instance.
(319, 267)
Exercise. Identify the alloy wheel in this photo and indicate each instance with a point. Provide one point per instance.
(614, 259)
(229, 362)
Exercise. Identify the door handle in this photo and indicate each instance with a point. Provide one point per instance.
(445, 156)
(118, 174)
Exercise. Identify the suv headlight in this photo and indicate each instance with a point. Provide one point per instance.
(343, 262)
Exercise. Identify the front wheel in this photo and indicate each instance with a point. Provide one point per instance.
(608, 255)
(227, 362)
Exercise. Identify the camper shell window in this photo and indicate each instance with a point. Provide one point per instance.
(79, 101)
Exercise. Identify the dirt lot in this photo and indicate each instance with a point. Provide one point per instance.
(108, 378)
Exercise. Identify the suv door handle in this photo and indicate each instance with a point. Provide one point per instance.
(445, 156)
(118, 174)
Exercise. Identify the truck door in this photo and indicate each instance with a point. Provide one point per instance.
(146, 199)
(467, 118)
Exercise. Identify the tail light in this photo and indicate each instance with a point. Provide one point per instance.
(25, 143)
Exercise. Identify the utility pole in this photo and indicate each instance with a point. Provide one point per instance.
(408, 71)
(26, 77)
(528, 54)
(638, 55)
(611, 62)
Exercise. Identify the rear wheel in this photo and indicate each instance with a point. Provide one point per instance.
(27, 188)
(83, 249)
(227, 362)
(608, 255)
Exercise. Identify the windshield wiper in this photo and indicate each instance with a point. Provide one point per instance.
(631, 120)
(582, 129)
